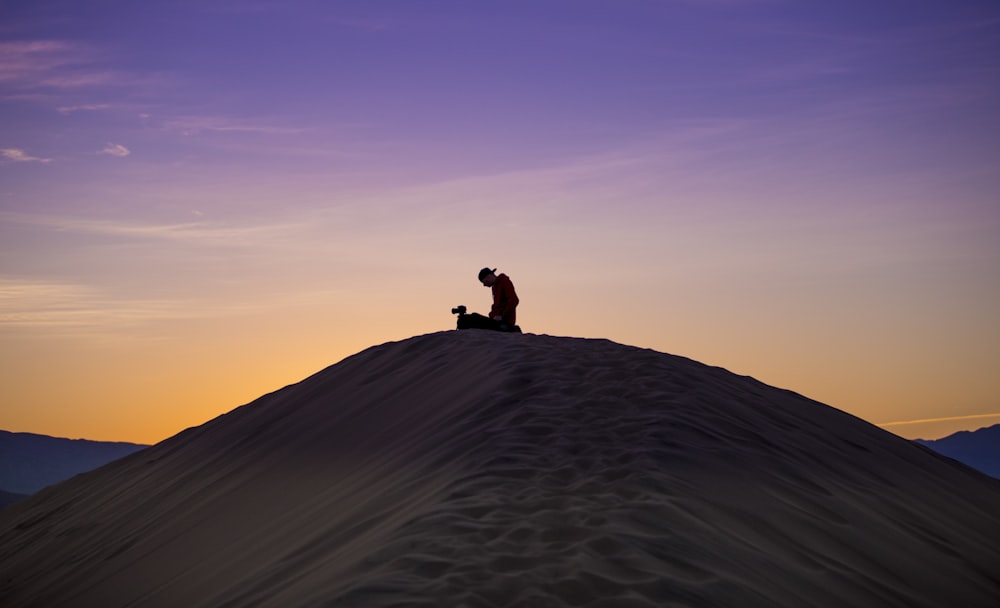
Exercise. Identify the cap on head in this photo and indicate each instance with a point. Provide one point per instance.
(486, 271)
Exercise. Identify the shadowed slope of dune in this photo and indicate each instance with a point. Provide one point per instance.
(485, 469)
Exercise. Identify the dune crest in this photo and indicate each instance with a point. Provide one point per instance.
(485, 469)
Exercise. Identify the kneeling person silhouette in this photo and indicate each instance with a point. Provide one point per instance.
(503, 314)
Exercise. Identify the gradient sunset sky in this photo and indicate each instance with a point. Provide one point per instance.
(203, 201)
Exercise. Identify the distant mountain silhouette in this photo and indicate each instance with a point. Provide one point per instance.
(977, 449)
(30, 462)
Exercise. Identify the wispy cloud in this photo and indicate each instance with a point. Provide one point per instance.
(93, 107)
(193, 125)
(57, 305)
(115, 150)
(20, 156)
(29, 61)
(40, 64)
(45, 70)
(71, 309)
(946, 419)
(200, 232)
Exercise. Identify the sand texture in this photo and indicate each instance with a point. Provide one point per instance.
(484, 469)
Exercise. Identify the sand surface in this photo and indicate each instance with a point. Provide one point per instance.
(484, 469)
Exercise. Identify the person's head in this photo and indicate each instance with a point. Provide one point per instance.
(487, 276)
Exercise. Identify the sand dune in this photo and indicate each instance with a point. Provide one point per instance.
(485, 469)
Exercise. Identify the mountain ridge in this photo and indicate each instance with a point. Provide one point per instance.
(31, 461)
(979, 449)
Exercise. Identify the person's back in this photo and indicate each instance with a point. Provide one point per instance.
(505, 301)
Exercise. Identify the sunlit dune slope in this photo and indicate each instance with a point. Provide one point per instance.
(485, 469)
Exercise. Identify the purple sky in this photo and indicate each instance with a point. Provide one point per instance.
(805, 192)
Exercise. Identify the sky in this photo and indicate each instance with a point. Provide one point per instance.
(204, 201)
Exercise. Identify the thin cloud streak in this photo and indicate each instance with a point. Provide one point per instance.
(51, 71)
(48, 305)
(83, 108)
(193, 125)
(72, 309)
(945, 419)
(20, 156)
(28, 62)
(189, 232)
(51, 64)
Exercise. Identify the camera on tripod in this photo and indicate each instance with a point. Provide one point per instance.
(458, 310)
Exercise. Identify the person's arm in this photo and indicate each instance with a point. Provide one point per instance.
(496, 311)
